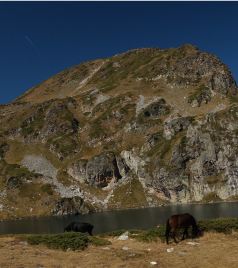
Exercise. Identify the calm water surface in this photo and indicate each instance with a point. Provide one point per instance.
(124, 219)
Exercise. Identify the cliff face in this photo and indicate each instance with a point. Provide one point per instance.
(142, 128)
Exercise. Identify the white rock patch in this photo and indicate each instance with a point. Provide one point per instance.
(101, 98)
(39, 164)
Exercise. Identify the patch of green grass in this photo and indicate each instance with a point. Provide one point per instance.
(78, 73)
(3, 148)
(47, 188)
(65, 145)
(215, 179)
(105, 114)
(27, 190)
(132, 233)
(113, 233)
(128, 195)
(161, 149)
(157, 145)
(220, 225)
(97, 130)
(110, 77)
(19, 150)
(233, 198)
(211, 197)
(64, 241)
(14, 172)
(98, 241)
(233, 98)
(17, 171)
(63, 177)
(151, 235)
(33, 124)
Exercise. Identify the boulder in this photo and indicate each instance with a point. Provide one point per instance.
(156, 109)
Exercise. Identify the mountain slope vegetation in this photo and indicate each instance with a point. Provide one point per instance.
(143, 128)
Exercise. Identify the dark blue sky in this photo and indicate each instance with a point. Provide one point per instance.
(39, 39)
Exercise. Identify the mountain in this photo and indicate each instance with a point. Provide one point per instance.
(143, 128)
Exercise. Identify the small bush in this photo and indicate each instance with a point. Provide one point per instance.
(113, 233)
(64, 241)
(74, 241)
(221, 225)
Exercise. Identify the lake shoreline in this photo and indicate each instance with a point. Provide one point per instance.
(118, 209)
(139, 218)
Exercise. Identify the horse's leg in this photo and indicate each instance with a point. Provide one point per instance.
(185, 233)
(167, 237)
(174, 236)
(194, 231)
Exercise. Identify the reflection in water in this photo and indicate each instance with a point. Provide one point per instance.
(124, 219)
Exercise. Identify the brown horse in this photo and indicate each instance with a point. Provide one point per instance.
(181, 221)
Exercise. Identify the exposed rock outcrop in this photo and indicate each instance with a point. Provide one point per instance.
(156, 109)
(100, 170)
(152, 125)
(71, 206)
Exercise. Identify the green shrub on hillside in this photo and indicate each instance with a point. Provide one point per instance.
(64, 241)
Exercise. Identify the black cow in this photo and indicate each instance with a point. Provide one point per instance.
(82, 227)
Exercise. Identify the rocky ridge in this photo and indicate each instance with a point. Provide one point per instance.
(142, 128)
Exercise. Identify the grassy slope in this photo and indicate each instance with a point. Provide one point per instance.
(120, 84)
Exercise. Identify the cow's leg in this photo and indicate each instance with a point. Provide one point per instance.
(89, 230)
(167, 232)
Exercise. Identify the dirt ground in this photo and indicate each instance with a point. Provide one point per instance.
(212, 250)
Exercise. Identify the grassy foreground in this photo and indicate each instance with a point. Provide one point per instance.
(79, 241)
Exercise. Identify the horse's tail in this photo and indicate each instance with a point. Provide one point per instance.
(167, 231)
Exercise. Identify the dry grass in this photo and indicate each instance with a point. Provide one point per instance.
(213, 250)
(179, 100)
(30, 200)
(18, 150)
(128, 195)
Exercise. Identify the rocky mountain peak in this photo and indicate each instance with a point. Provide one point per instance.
(141, 128)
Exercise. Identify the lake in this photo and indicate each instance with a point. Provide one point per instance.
(142, 218)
